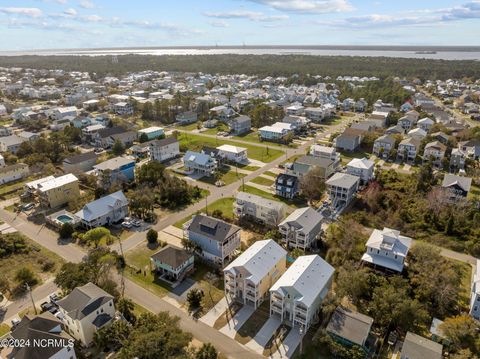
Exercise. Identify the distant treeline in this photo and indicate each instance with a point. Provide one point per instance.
(262, 65)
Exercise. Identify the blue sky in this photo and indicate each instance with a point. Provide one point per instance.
(50, 24)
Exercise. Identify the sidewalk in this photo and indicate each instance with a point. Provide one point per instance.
(230, 330)
(213, 314)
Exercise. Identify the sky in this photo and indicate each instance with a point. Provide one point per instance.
(59, 24)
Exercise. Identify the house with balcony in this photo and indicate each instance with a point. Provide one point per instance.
(217, 241)
(295, 110)
(457, 160)
(58, 191)
(115, 170)
(250, 276)
(259, 209)
(187, 118)
(240, 125)
(297, 296)
(457, 186)
(383, 146)
(425, 124)
(276, 132)
(164, 150)
(123, 108)
(42, 328)
(306, 163)
(387, 249)
(475, 293)
(435, 152)
(471, 148)
(86, 310)
(341, 188)
(362, 168)
(329, 153)
(287, 186)
(408, 149)
(350, 139)
(301, 228)
(315, 114)
(104, 211)
(407, 123)
(199, 163)
(234, 154)
(172, 263)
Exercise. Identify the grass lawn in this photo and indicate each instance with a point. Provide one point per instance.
(4, 329)
(254, 137)
(225, 205)
(260, 153)
(190, 127)
(295, 203)
(348, 156)
(250, 168)
(263, 181)
(466, 271)
(213, 292)
(271, 174)
(253, 325)
(139, 259)
(138, 309)
(39, 259)
(181, 222)
(14, 188)
(474, 192)
(228, 176)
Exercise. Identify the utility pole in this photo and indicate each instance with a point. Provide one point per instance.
(31, 297)
(206, 205)
(243, 184)
(122, 279)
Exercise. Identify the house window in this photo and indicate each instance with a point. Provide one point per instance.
(396, 256)
(371, 249)
(378, 251)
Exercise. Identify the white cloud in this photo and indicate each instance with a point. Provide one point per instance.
(308, 6)
(470, 10)
(87, 4)
(219, 23)
(70, 12)
(243, 14)
(25, 11)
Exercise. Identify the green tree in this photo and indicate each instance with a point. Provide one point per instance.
(118, 148)
(206, 351)
(25, 275)
(462, 332)
(150, 173)
(194, 299)
(66, 230)
(143, 137)
(156, 336)
(127, 307)
(112, 336)
(152, 236)
(312, 184)
(96, 235)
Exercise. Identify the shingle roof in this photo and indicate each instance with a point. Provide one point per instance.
(343, 180)
(84, 300)
(172, 256)
(353, 326)
(212, 228)
(417, 347)
(78, 158)
(463, 182)
(101, 206)
(304, 218)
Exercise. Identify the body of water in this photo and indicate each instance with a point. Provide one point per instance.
(437, 53)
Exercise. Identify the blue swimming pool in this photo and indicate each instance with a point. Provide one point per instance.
(64, 218)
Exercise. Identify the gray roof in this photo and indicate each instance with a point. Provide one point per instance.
(110, 131)
(101, 206)
(78, 158)
(15, 166)
(163, 142)
(40, 327)
(172, 256)
(265, 202)
(314, 161)
(386, 139)
(114, 163)
(343, 180)
(84, 300)
(463, 182)
(353, 326)
(212, 228)
(197, 157)
(242, 119)
(12, 140)
(417, 347)
(306, 218)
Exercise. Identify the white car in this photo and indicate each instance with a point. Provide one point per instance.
(126, 224)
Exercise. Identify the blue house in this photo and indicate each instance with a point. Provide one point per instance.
(217, 240)
(116, 170)
(286, 186)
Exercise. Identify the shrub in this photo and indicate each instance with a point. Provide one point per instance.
(152, 236)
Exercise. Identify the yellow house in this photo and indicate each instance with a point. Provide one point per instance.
(58, 191)
(249, 277)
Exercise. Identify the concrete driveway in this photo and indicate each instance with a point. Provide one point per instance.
(287, 348)
(213, 314)
(264, 334)
(230, 330)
